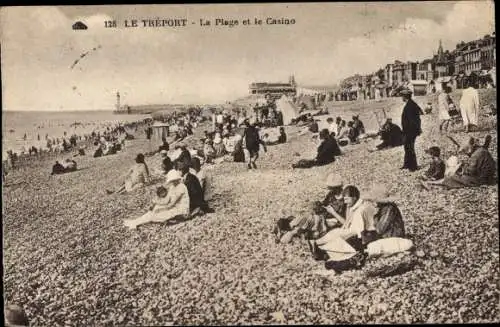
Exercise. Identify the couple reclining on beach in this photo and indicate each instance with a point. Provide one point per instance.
(66, 166)
(343, 225)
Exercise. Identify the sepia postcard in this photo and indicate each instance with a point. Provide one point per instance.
(249, 164)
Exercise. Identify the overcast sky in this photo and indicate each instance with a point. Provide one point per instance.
(197, 64)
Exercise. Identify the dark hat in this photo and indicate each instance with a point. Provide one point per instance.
(405, 91)
(434, 151)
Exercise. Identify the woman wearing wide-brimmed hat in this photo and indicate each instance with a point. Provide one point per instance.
(174, 204)
(388, 220)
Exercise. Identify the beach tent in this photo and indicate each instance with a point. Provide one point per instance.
(160, 132)
(287, 109)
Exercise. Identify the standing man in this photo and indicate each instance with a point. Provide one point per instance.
(410, 121)
(252, 143)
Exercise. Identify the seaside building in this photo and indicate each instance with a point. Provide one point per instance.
(274, 89)
(425, 70)
(473, 63)
(443, 62)
(398, 71)
(410, 71)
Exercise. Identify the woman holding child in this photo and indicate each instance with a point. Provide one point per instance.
(171, 201)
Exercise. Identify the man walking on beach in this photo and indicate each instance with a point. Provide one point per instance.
(410, 121)
(253, 142)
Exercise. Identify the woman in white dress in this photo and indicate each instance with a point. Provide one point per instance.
(168, 204)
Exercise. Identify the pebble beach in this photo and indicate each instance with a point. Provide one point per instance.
(68, 259)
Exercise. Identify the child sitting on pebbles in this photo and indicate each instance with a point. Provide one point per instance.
(437, 166)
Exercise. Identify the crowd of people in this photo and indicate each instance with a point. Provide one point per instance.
(343, 228)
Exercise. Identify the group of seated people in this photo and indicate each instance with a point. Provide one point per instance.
(346, 133)
(340, 228)
(479, 167)
(184, 194)
(106, 147)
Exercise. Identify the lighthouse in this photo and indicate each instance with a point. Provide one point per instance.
(118, 101)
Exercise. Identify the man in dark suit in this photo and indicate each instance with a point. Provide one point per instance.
(410, 122)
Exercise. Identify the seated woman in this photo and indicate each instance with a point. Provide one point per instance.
(352, 133)
(238, 153)
(184, 157)
(390, 134)
(172, 201)
(203, 177)
(359, 218)
(358, 125)
(219, 148)
(167, 165)
(327, 214)
(136, 177)
(479, 169)
(325, 154)
(388, 219)
(280, 140)
(208, 151)
(336, 148)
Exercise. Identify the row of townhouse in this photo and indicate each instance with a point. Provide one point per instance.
(473, 63)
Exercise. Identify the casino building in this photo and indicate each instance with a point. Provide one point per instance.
(274, 89)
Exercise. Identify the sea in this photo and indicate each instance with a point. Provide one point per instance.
(36, 124)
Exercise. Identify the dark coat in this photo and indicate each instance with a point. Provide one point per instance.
(410, 119)
(195, 191)
(326, 152)
(252, 138)
(391, 134)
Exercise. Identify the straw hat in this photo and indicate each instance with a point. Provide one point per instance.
(379, 193)
(334, 180)
(173, 175)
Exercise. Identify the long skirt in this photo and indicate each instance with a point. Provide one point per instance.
(460, 181)
(129, 186)
(158, 217)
